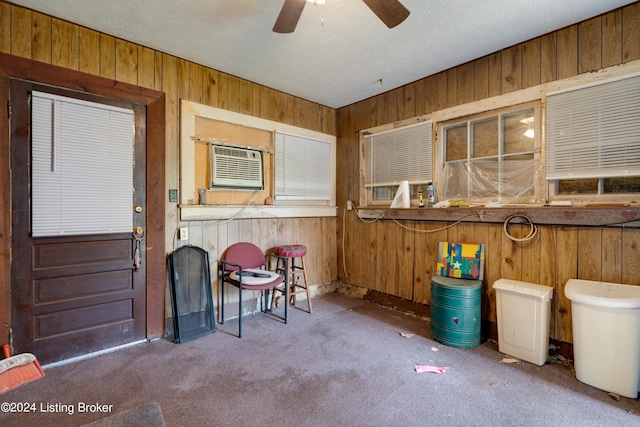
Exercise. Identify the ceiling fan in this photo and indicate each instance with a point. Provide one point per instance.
(391, 12)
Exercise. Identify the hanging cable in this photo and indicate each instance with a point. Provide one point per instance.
(344, 230)
(509, 222)
(417, 230)
(242, 209)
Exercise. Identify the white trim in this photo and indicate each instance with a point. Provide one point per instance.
(213, 141)
(388, 127)
(201, 110)
(204, 212)
(92, 355)
(594, 83)
(188, 113)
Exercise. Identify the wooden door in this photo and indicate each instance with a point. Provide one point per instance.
(77, 294)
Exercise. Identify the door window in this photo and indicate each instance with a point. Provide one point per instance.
(82, 164)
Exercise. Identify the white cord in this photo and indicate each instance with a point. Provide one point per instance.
(253, 199)
(532, 232)
(369, 221)
(234, 216)
(344, 229)
(382, 215)
(417, 230)
(507, 223)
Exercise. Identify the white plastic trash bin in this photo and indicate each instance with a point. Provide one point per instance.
(523, 319)
(606, 335)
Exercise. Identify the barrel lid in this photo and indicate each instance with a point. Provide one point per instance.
(603, 294)
(455, 282)
(524, 288)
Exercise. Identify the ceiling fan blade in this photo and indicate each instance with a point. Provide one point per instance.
(289, 16)
(391, 12)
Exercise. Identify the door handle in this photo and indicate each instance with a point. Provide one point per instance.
(138, 235)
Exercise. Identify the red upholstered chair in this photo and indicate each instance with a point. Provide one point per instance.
(295, 281)
(243, 266)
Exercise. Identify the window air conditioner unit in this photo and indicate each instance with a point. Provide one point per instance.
(236, 168)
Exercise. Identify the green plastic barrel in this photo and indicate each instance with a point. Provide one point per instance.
(455, 311)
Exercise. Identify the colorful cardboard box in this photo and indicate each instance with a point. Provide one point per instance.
(461, 260)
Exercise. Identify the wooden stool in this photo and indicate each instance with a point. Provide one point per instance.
(296, 287)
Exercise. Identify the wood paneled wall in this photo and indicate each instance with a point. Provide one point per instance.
(399, 258)
(382, 256)
(39, 37)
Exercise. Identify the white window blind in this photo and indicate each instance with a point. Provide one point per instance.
(82, 167)
(303, 168)
(594, 131)
(402, 154)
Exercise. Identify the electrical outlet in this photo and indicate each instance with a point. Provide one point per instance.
(350, 205)
(184, 233)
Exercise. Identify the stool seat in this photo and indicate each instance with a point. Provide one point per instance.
(293, 252)
(290, 251)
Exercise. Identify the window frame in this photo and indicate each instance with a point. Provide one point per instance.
(60, 154)
(553, 184)
(482, 116)
(313, 193)
(367, 191)
(535, 93)
(189, 207)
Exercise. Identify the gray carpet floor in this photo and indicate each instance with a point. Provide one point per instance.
(350, 363)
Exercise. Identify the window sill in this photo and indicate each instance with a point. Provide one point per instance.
(618, 216)
(216, 212)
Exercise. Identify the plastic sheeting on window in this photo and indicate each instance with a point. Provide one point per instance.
(490, 181)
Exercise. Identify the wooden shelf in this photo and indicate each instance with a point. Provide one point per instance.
(627, 216)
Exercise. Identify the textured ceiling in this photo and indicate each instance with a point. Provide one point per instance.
(340, 52)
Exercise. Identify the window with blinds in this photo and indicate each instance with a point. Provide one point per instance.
(82, 167)
(303, 169)
(393, 156)
(593, 138)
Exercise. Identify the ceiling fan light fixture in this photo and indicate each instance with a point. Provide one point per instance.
(391, 12)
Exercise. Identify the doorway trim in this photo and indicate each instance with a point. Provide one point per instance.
(21, 68)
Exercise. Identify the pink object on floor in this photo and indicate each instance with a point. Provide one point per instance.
(434, 369)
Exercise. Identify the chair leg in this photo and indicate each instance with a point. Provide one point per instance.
(296, 284)
(286, 297)
(240, 311)
(293, 281)
(289, 272)
(306, 284)
(276, 289)
(222, 301)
